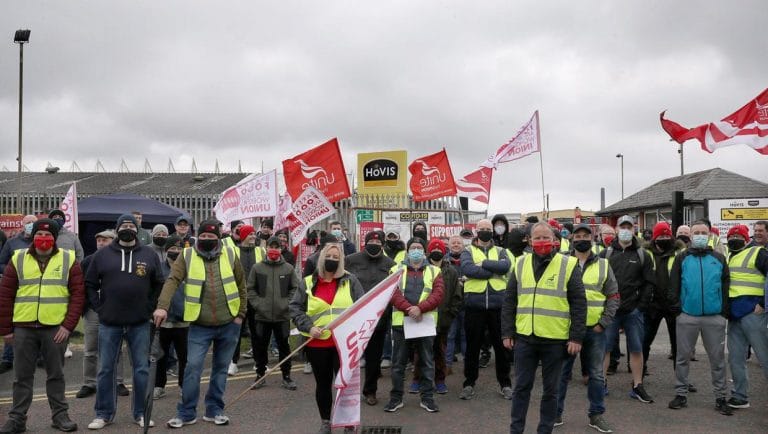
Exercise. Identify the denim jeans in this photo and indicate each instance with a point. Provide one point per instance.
(387, 352)
(456, 332)
(110, 342)
(749, 330)
(527, 358)
(593, 348)
(634, 330)
(91, 351)
(224, 339)
(7, 353)
(400, 351)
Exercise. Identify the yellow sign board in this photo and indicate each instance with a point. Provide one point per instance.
(382, 172)
(744, 213)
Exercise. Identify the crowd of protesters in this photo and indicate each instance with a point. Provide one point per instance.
(538, 295)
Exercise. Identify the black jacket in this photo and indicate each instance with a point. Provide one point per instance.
(123, 284)
(270, 288)
(636, 281)
(370, 271)
(660, 299)
(452, 297)
(500, 240)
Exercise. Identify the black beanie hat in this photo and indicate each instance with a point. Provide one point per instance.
(416, 240)
(210, 226)
(173, 240)
(375, 235)
(57, 212)
(46, 225)
(126, 218)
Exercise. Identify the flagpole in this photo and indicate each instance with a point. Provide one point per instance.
(680, 151)
(541, 165)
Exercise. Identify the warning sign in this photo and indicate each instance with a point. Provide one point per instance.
(744, 214)
(726, 213)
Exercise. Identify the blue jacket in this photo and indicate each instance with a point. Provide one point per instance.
(490, 299)
(699, 283)
(20, 241)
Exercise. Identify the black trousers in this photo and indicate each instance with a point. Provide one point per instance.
(653, 318)
(264, 331)
(177, 337)
(325, 365)
(249, 322)
(476, 322)
(372, 355)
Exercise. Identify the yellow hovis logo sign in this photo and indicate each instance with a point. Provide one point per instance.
(744, 213)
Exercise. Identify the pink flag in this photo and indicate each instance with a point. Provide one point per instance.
(526, 142)
(746, 126)
(69, 207)
(351, 331)
(477, 185)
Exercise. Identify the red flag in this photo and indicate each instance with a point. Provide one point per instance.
(431, 177)
(746, 126)
(526, 142)
(477, 185)
(321, 167)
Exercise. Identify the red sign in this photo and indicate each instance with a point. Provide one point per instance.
(11, 224)
(431, 177)
(444, 231)
(367, 227)
(320, 167)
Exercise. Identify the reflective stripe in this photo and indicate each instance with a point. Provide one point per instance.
(595, 303)
(541, 311)
(26, 299)
(190, 299)
(748, 284)
(746, 270)
(44, 300)
(532, 290)
(194, 281)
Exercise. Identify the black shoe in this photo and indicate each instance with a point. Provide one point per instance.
(393, 405)
(85, 392)
(63, 423)
(5, 367)
(429, 405)
(738, 403)
(645, 371)
(678, 403)
(692, 388)
(13, 427)
(40, 363)
(638, 393)
(122, 390)
(612, 367)
(485, 360)
(722, 407)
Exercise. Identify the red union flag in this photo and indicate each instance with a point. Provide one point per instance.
(352, 330)
(320, 167)
(431, 177)
(526, 142)
(477, 185)
(746, 126)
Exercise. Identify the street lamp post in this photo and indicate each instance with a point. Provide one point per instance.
(21, 37)
(621, 157)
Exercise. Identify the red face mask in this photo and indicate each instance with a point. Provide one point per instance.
(273, 254)
(607, 240)
(543, 248)
(44, 242)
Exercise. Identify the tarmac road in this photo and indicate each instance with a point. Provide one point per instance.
(275, 410)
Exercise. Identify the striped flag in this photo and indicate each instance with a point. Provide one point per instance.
(477, 185)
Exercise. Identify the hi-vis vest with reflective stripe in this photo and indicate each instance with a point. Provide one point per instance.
(196, 277)
(429, 275)
(498, 283)
(542, 306)
(42, 297)
(594, 277)
(597, 248)
(565, 245)
(322, 313)
(399, 257)
(258, 251)
(746, 279)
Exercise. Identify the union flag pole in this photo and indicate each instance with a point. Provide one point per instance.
(541, 165)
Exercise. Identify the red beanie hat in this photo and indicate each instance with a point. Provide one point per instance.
(739, 230)
(436, 244)
(714, 231)
(554, 224)
(246, 230)
(661, 228)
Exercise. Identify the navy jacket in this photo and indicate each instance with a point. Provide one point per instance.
(490, 299)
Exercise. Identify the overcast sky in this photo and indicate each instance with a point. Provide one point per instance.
(262, 81)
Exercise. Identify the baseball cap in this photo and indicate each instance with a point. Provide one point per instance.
(582, 226)
(626, 219)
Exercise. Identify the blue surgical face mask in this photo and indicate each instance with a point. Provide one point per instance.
(28, 228)
(564, 233)
(416, 255)
(337, 233)
(699, 241)
(625, 235)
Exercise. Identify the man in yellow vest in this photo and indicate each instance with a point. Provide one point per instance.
(485, 267)
(420, 295)
(543, 318)
(234, 239)
(41, 300)
(602, 293)
(215, 305)
(747, 321)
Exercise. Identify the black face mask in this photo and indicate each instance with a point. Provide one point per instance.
(264, 236)
(684, 238)
(582, 245)
(484, 235)
(517, 249)
(664, 244)
(172, 255)
(420, 234)
(392, 244)
(373, 249)
(159, 241)
(455, 255)
(126, 235)
(331, 265)
(436, 256)
(736, 244)
(207, 245)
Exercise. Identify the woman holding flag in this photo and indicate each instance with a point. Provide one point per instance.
(321, 297)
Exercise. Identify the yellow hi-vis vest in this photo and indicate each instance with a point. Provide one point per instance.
(594, 277)
(322, 313)
(498, 282)
(42, 297)
(565, 245)
(513, 262)
(542, 306)
(746, 279)
(399, 257)
(193, 286)
(597, 248)
(429, 275)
